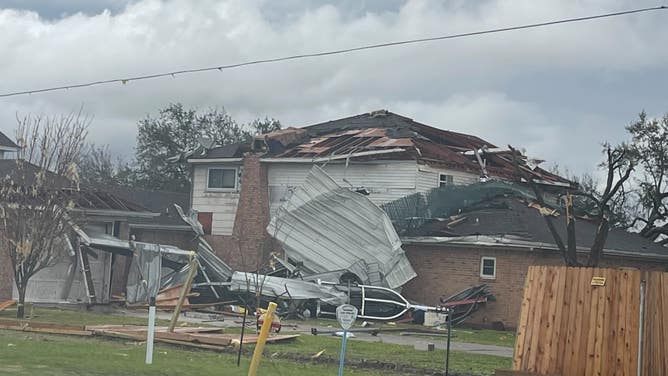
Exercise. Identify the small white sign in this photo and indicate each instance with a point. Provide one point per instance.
(346, 314)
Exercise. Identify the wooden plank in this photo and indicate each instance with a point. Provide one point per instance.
(6, 304)
(533, 307)
(610, 324)
(633, 314)
(663, 277)
(46, 330)
(601, 317)
(555, 347)
(664, 317)
(37, 324)
(579, 326)
(621, 314)
(547, 320)
(585, 360)
(532, 349)
(571, 321)
(524, 318)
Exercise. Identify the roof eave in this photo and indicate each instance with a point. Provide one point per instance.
(500, 241)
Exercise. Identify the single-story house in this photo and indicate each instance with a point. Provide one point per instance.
(494, 242)
(106, 218)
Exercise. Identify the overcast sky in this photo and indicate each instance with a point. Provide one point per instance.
(557, 91)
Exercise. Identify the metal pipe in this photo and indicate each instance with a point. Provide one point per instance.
(262, 338)
(243, 329)
(447, 348)
(151, 330)
(342, 357)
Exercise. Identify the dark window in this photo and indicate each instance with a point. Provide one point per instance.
(222, 178)
(206, 220)
(488, 267)
(444, 179)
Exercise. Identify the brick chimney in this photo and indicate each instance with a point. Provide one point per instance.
(250, 224)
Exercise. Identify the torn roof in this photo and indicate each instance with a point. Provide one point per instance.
(6, 143)
(518, 219)
(84, 197)
(327, 227)
(236, 150)
(389, 136)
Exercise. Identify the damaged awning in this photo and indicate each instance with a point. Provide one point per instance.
(328, 227)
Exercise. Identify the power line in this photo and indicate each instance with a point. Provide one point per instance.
(334, 52)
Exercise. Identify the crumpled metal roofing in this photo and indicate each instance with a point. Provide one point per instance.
(328, 227)
(293, 289)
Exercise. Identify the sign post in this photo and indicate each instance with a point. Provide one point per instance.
(346, 314)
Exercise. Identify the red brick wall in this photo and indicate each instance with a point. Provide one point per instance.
(444, 271)
(249, 245)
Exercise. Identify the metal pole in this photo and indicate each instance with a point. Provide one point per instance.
(243, 329)
(447, 349)
(151, 330)
(262, 338)
(342, 358)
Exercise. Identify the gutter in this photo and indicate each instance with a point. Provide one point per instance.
(115, 213)
(148, 226)
(213, 160)
(500, 241)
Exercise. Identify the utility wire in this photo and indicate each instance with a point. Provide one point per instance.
(334, 52)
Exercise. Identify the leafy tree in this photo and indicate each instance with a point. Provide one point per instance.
(97, 166)
(650, 142)
(164, 142)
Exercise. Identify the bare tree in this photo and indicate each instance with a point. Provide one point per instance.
(34, 203)
(619, 163)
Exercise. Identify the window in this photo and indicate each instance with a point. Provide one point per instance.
(488, 267)
(444, 179)
(222, 178)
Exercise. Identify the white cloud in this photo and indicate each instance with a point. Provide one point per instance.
(476, 85)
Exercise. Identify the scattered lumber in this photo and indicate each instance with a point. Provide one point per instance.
(51, 328)
(210, 338)
(6, 304)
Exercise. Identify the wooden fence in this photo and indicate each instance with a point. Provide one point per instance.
(586, 321)
(655, 328)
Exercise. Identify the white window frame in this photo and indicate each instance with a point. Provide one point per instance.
(236, 179)
(440, 174)
(482, 263)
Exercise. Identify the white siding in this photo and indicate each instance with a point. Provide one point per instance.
(427, 177)
(47, 285)
(386, 181)
(223, 205)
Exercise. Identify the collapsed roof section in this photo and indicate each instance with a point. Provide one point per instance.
(502, 214)
(385, 135)
(327, 227)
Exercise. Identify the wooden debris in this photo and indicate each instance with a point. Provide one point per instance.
(6, 304)
(28, 326)
(210, 338)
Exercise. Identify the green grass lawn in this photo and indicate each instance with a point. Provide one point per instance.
(31, 353)
(38, 354)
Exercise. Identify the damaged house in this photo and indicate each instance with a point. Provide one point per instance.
(237, 188)
(294, 192)
(106, 219)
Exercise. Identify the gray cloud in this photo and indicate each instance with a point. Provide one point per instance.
(557, 91)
